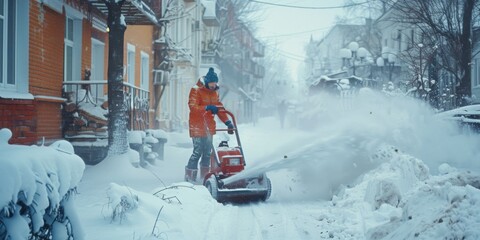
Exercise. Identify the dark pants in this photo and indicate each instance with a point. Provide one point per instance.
(202, 147)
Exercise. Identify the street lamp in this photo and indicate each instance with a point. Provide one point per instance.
(353, 46)
(352, 52)
(387, 59)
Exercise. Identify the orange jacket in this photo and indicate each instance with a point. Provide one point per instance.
(198, 99)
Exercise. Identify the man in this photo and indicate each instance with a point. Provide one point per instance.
(204, 103)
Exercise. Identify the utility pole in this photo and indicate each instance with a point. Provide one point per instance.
(117, 108)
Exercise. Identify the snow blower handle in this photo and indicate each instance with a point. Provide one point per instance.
(222, 109)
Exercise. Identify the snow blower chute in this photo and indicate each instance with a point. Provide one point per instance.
(226, 161)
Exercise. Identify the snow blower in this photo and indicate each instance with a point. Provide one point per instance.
(226, 161)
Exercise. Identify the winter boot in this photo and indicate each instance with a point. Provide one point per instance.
(203, 172)
(190, 175)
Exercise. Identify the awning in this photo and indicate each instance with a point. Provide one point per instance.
(136, 12)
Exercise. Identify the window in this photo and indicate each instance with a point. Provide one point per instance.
(98, 67)
(7, 39)
(68, 51)
(72, 53)
(131, 63)
(476, 73)
(14, 46)
(144, 71)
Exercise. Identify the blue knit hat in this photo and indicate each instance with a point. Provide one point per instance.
(211, 76)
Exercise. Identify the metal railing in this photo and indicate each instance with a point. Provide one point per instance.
(93, 91)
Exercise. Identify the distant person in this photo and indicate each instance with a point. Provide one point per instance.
(203, 98)
(282, 111)
(434, 94)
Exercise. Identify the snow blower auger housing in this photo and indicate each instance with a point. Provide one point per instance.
(227, 161)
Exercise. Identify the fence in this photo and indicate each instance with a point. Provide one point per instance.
(93, 91)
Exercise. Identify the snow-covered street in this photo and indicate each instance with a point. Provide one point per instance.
(239, 119)
(387, 173)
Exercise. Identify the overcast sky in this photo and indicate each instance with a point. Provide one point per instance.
(290, 28)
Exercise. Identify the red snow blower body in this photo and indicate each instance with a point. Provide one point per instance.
(226, 161)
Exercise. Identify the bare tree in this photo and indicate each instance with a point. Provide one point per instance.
(117, 123)
(361, 9)
(234, 12)
(446, 26)
(445, 31)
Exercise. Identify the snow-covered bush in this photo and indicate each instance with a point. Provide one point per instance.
(38, 188)
(121, 200)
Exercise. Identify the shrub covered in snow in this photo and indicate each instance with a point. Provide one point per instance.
(38, 186)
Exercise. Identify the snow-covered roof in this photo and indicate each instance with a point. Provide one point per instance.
(136, 12)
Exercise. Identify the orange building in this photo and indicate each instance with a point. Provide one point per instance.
(66, 42)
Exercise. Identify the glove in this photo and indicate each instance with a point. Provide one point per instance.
(230, 126)
(212, 108)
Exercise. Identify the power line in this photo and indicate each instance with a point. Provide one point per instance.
(296, 33)
(288, 55)
(308, 7)
(292, 54)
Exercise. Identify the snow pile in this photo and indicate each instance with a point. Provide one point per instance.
(136, 136)
(37, 187)
(86, 103)
(157, 133)
(401, 200)
(121, 200)
(165, 213)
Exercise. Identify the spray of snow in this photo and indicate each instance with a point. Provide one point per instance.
(385, 164)
(346, 136)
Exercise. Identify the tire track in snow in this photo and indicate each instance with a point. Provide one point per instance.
(232, 222)
(277, 221)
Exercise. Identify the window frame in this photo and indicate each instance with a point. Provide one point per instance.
(9, 45)
(15, 46)
(144, 71)
(67, 43)
(131, 56)
(76, 43)
(476, 75)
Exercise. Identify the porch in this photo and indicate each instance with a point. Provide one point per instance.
(85, 115)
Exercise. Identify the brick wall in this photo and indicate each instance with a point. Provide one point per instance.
(46, 65)
(46, 68)
(19, 117)
(86, 46)
(49, 119)
(46, 50)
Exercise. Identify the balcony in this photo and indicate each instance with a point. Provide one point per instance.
(85, 115)
(210, 57)
(259, 49)
(259, 71)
